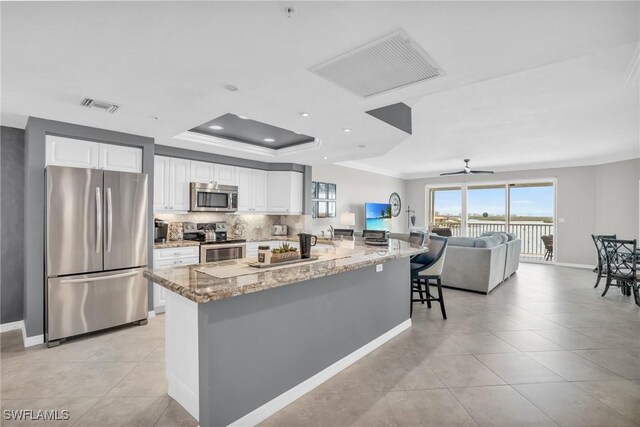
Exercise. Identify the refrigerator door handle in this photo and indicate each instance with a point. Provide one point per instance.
(109, 219)
(98, 220)
(96, 279)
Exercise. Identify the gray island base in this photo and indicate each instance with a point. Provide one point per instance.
(237, 360)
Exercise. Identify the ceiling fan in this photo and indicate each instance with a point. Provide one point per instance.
(467, 170)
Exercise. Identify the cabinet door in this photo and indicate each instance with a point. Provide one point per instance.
(119, 158)
(161, 183)
(225, 175)
(279, 191)
(71, 152)
(179, 173)
(243, 181)
(202, 172)
(295, 204)
(259, 184)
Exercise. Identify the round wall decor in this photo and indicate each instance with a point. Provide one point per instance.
(396, 204)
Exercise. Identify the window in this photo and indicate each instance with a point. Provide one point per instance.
(486, 209)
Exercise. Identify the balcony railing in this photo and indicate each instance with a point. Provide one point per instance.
(530, 234)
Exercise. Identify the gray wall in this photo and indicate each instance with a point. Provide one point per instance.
(11, 223)
(247, 344)
(35, 133)
(591, 199)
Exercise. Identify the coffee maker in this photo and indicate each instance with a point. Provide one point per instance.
(160, 231)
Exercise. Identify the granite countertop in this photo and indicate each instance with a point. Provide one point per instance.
(175, 244)
(202, 283)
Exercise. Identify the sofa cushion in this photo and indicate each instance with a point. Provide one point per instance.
(511, 237)
(504, 237)
(468, 242)
(488, 241)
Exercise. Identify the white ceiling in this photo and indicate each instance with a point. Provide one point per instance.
(527, 84)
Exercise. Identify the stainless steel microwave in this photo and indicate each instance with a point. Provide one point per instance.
(213, 197)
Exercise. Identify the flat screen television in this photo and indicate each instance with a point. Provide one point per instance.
(378, 216)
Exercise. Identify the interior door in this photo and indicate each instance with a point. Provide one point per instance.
(125, 224)
(74, 220)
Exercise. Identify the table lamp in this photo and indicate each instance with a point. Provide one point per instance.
(348, 219)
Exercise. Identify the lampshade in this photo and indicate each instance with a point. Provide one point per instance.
(348, 218)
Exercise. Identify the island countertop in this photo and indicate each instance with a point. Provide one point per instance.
(202, 283)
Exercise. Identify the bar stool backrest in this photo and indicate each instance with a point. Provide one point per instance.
(417, 238)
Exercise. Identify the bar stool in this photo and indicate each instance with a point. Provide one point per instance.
(427, 267)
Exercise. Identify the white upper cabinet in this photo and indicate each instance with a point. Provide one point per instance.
(93, 155)
(225, 174)
(259, 182)
(252, 190)
(285, 192)
(72, 152)
(120, 158)
(202, 172)
(171, 184)
(179, 175)
(245, 188)
(161, 183)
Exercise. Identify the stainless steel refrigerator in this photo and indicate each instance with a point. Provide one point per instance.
(96, 248)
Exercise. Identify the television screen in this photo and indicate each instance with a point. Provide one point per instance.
(378, 216)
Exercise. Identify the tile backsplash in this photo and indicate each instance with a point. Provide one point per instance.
(246, 226)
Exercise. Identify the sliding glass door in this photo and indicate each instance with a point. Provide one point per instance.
(470, 209)
(531, 214)
(486, 209)
(446, 209)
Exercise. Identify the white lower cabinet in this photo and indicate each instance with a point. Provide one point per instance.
(168, 258)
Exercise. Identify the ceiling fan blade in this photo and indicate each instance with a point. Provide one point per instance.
(453, 173)
(482, 172)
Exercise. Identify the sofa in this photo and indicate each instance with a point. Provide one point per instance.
(479, 264)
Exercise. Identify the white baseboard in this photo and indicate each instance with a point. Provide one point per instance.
(265, 411)
(184, 395)
(12, 326)
(26, 341)
(152, 314)
(568, 264)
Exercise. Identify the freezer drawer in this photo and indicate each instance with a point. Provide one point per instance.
(90, 302)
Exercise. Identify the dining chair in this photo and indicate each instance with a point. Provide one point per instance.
(376, 234)
(622, 266)
(446, 232)
(345, 232)
(548, 247)
(426, 267)
(417, 238)
(601, 267)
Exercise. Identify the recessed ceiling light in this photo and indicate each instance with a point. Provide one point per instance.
(243, 117)
(361, 145)
(303, 114)
(325, 157)
(269, 140)
(216, 127)
(231, 88)
(346, 130)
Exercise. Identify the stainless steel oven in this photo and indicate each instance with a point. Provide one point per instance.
(221, 251)
(213, 197)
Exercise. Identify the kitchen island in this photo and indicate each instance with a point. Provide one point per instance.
(242, 342)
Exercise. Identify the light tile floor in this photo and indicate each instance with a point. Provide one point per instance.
(542, 349)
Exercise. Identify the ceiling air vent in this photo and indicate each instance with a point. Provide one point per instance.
(106, 106)
(389, 63)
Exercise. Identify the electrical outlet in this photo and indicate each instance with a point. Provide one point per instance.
(378, 268)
